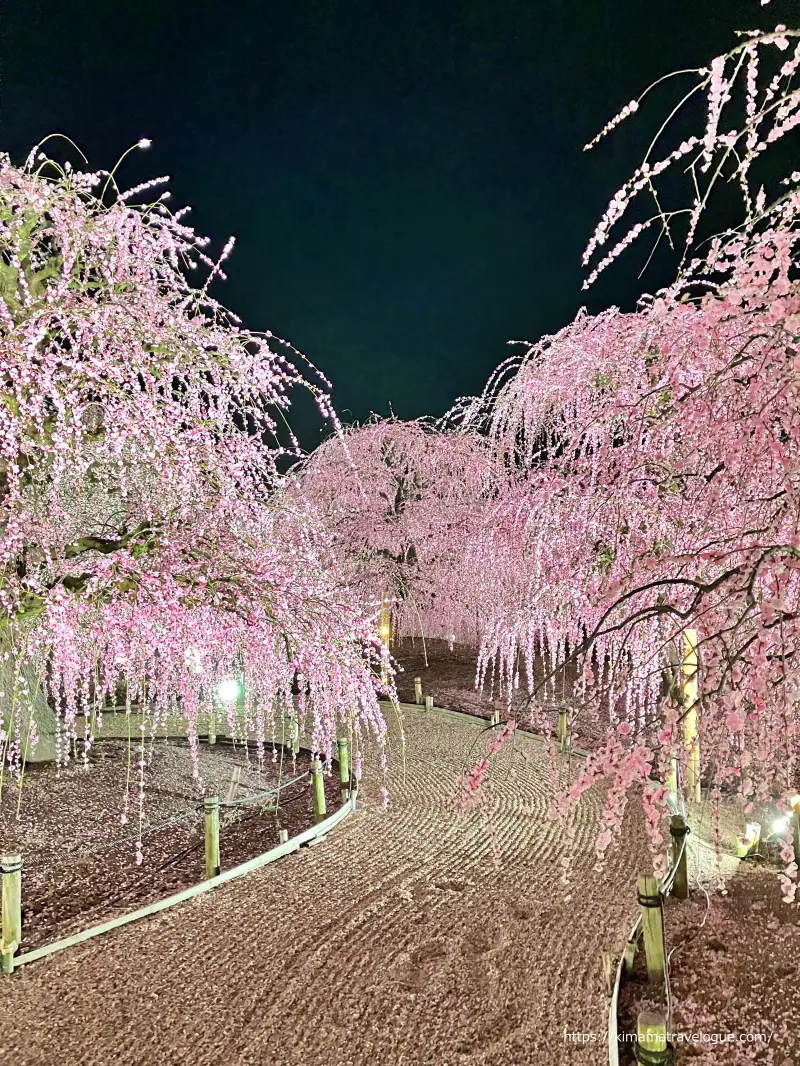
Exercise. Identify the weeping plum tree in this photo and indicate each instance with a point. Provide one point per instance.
(401, 501)
(145, 546)
(660, 474)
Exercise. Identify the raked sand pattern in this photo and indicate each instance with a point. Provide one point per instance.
(419, 934)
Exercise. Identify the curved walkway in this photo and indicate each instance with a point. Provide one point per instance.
(413, 935)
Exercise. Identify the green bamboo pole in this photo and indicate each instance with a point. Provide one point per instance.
(563, 731)
(211, 813)
(295, 737)
(649, 897)
(678, 830)
(344, 767)
(11, 871)
(651, 1039)
(319, 790)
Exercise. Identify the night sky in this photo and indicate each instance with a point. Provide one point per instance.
(405, 181)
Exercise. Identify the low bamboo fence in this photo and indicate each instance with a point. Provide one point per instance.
(11, 865)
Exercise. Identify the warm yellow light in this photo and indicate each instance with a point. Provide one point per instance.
(385, 631)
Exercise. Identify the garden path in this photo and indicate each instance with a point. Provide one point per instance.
(418, 934)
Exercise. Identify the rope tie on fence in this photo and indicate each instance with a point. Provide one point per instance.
(653, 1058)
(648, 901)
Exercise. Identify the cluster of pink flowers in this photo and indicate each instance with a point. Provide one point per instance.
(470, 783)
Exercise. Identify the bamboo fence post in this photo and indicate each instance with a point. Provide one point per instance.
(283, 836)
(608, 970)
(386, 619)
(233, 787)
(385, 630)
(429, 703)
(692, 728)
(796, 821)
(678, 830)
(319, 790)
(649, 898)
(211, 818)
(651, 1039)
(629, 956)
(212, 728)
(11, 871)
(295, 737)
(673, 782)
(344, 768)
(563, 731)
(417, 690)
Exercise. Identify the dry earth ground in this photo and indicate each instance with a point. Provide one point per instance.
(416, 934)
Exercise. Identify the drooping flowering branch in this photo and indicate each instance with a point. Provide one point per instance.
(745, 114)
(144, 539)
(401, 501)
(652, 493)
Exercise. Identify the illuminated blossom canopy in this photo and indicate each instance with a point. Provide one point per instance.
(656, 487)
(401, 501)
(145, 545)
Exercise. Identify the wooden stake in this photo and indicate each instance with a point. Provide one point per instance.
(211, 811)
(212, 728)
(796, 820)
(608, 970)
(344, 761)
(651, 1039)
(283, 836)
(629, 956)
(649, 898)
(11, 871)
(417, 690)
(386, 620)
(295, 737)
(319, 790)
(344, 768)
(233, 787)
(678, 830)
(563, 731)
(429, 703)
(672, 779)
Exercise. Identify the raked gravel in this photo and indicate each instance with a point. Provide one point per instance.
(415, 934)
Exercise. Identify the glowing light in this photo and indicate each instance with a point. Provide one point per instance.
(384, 631)
(750, 839)
(228, 690)
(145, 142)
(780, 825)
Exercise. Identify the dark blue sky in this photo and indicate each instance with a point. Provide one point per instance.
(405, 180)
